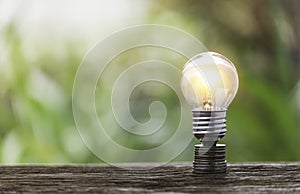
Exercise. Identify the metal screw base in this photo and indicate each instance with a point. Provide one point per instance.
(209, 159)
(209, 126)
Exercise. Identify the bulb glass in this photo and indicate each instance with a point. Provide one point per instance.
(209, 82)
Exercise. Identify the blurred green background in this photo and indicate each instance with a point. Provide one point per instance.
(43, 42)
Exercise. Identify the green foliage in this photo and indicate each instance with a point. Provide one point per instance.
(36, 123)
(260, 37)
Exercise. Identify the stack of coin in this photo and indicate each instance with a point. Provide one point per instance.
(210, 159)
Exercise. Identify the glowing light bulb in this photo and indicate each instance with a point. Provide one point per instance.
(209, 81)
(209, 84)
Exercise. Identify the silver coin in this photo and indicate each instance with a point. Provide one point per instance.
(196, 171)
(209, 167)
(206, 161)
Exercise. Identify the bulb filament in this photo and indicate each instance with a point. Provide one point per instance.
(208, 103)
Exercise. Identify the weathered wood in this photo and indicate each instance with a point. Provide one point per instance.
(271, 177)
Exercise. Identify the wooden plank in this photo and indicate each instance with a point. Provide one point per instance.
(138, 178)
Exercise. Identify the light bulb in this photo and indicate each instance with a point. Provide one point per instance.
(209, 83)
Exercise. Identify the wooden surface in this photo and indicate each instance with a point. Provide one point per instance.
(252, 178)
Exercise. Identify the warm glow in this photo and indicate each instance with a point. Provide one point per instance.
(208, 82)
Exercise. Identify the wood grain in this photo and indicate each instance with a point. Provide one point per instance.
(139, 178)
